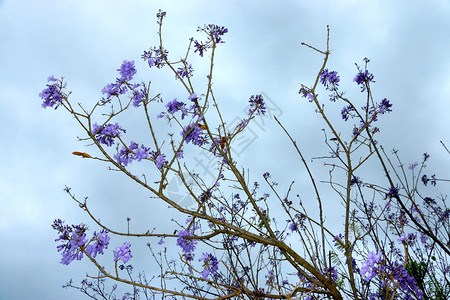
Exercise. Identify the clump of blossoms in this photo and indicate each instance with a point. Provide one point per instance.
(133, 152)
(127, 70)
(214, 33)
(74, 241)
(187, 245)
(52, 95)
(330, 80)
(156, 57)
(123, 253)
(185, 71)
(210, 265)
(257, 105)
(106, 134)
(194, 134)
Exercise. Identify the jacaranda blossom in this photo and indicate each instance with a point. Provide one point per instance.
(210, 265)
(52, 94)
(106, 134)
(123, 253)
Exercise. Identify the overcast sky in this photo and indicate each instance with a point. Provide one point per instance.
(408, 43)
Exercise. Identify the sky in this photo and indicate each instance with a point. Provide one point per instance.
(86, 41)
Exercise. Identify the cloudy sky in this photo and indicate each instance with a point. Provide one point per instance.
(85, 41)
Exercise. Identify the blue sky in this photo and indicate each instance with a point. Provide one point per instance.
(85, 41)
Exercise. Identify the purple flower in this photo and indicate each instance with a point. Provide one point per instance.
(306, 93)
(369, 265)
(333, 272)
(200, 47)
(257, 104)
(346, 112)
(106, 134)
(161, 241)
(194, 133)
(244, 123)
(402, 237)
(215, 31)
(138, 96)
(101, 241)
(205, 196)
(413, 166)
(113, 89)
(160, 161)
(52, 95)
(175, 105)
(155, 57)
(270, 277)
(141, 153)
(330, 80)
(293, 226)
(193, 97)
(187, 245)
(363, 79)
(210, 265)
(160, 16)
(393, 192)
(73, 239)
(185, 71)
(126, 155)
(127, 70)
(385, 106)
(123, 253)
(355, 180)
(215, 34)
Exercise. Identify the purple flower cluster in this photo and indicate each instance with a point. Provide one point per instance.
(160, 16)
(156, 57)
(210, 265)
(175, 105)
(306, 93)
(346, 112)
(384, 106)
(369, 265)
(393, 192)
(407, 238)
(126, 71)
(187, 245)
(413, 166)
(257, 104)
(293, 226)
(101, 241)
(355, 180)
(330, 80)
(363, 79)
(139, 96)
(160, 160)
(106, 134)
(394, 276)
(52, 95)
(186, 71)
(126, 155)
(215, 34)
(74, 241)
(123, 253)
(193, 133)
